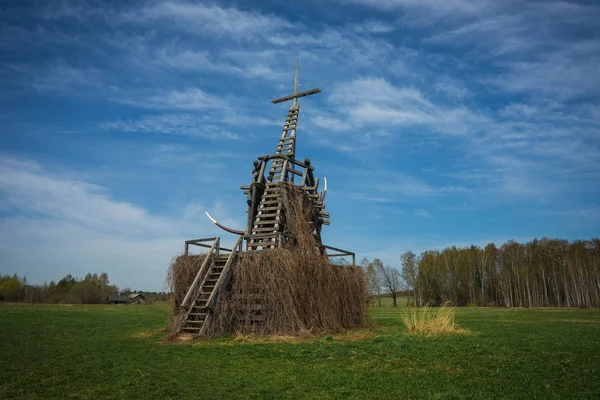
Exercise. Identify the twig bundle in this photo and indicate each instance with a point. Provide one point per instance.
(292, 290)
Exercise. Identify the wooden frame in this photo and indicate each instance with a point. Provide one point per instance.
(341, 253)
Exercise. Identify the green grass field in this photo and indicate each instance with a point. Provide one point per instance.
(94, 352)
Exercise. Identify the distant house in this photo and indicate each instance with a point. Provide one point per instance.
(118, 299)
(136, 298)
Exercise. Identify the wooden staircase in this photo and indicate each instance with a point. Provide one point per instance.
(198, 315)
(211, 280)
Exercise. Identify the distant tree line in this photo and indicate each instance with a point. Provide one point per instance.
(91, 289)
(540, 273)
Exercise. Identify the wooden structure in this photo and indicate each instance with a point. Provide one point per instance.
(134, 298)
(266, 226)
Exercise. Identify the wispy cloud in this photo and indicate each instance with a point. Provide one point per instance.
(427, 11)
(63, 78)
(252, 65)
(210, 19)
(186, 99)
(374, 26)
(375, 101)
(79, 227)
(33, 192)
(172, 124)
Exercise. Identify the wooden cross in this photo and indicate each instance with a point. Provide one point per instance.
(296, 95)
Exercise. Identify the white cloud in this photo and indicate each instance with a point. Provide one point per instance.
(63, 78)
(375, 101)
(205, 18)
(27, 188)
(71, 226)
(562, 75)
(247, 65)
(374, 26)
(186, 99)
(172, 124)
(434, 8)
(329, 123)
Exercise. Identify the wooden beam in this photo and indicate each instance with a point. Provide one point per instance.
(296, 96)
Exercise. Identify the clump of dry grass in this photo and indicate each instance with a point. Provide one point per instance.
(431, 321)
(294, 290)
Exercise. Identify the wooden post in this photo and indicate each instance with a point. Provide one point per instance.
(283, 175)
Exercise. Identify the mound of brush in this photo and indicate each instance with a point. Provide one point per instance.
(293, 290)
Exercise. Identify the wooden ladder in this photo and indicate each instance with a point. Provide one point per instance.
(286, 145)
(265, 230)
(197, 317)
(214, 275)
(266, 227)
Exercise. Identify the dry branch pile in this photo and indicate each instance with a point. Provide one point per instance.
(292, 290)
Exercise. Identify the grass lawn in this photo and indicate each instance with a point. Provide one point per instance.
(94, 352)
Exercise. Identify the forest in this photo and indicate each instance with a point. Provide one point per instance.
(91, 289)
(540, 273)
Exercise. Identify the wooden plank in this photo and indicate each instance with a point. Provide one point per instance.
(262, 236)
(258, 230)
(265, 243)
(269, 202)
(270, 209)
(267, 222)
(298, 95)
(201, 240)
(345, 252)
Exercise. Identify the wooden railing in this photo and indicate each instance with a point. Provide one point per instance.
(214, 248)
(225, 274)
(341, 253)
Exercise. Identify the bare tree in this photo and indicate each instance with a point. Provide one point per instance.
(409, 275)
(373, 280)
(391, 280)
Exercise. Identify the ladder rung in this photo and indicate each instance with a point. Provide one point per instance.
(271, 222)
(269, 202)
(258, 230)
(269, 209)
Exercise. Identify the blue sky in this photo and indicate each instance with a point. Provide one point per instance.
(439, 122)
